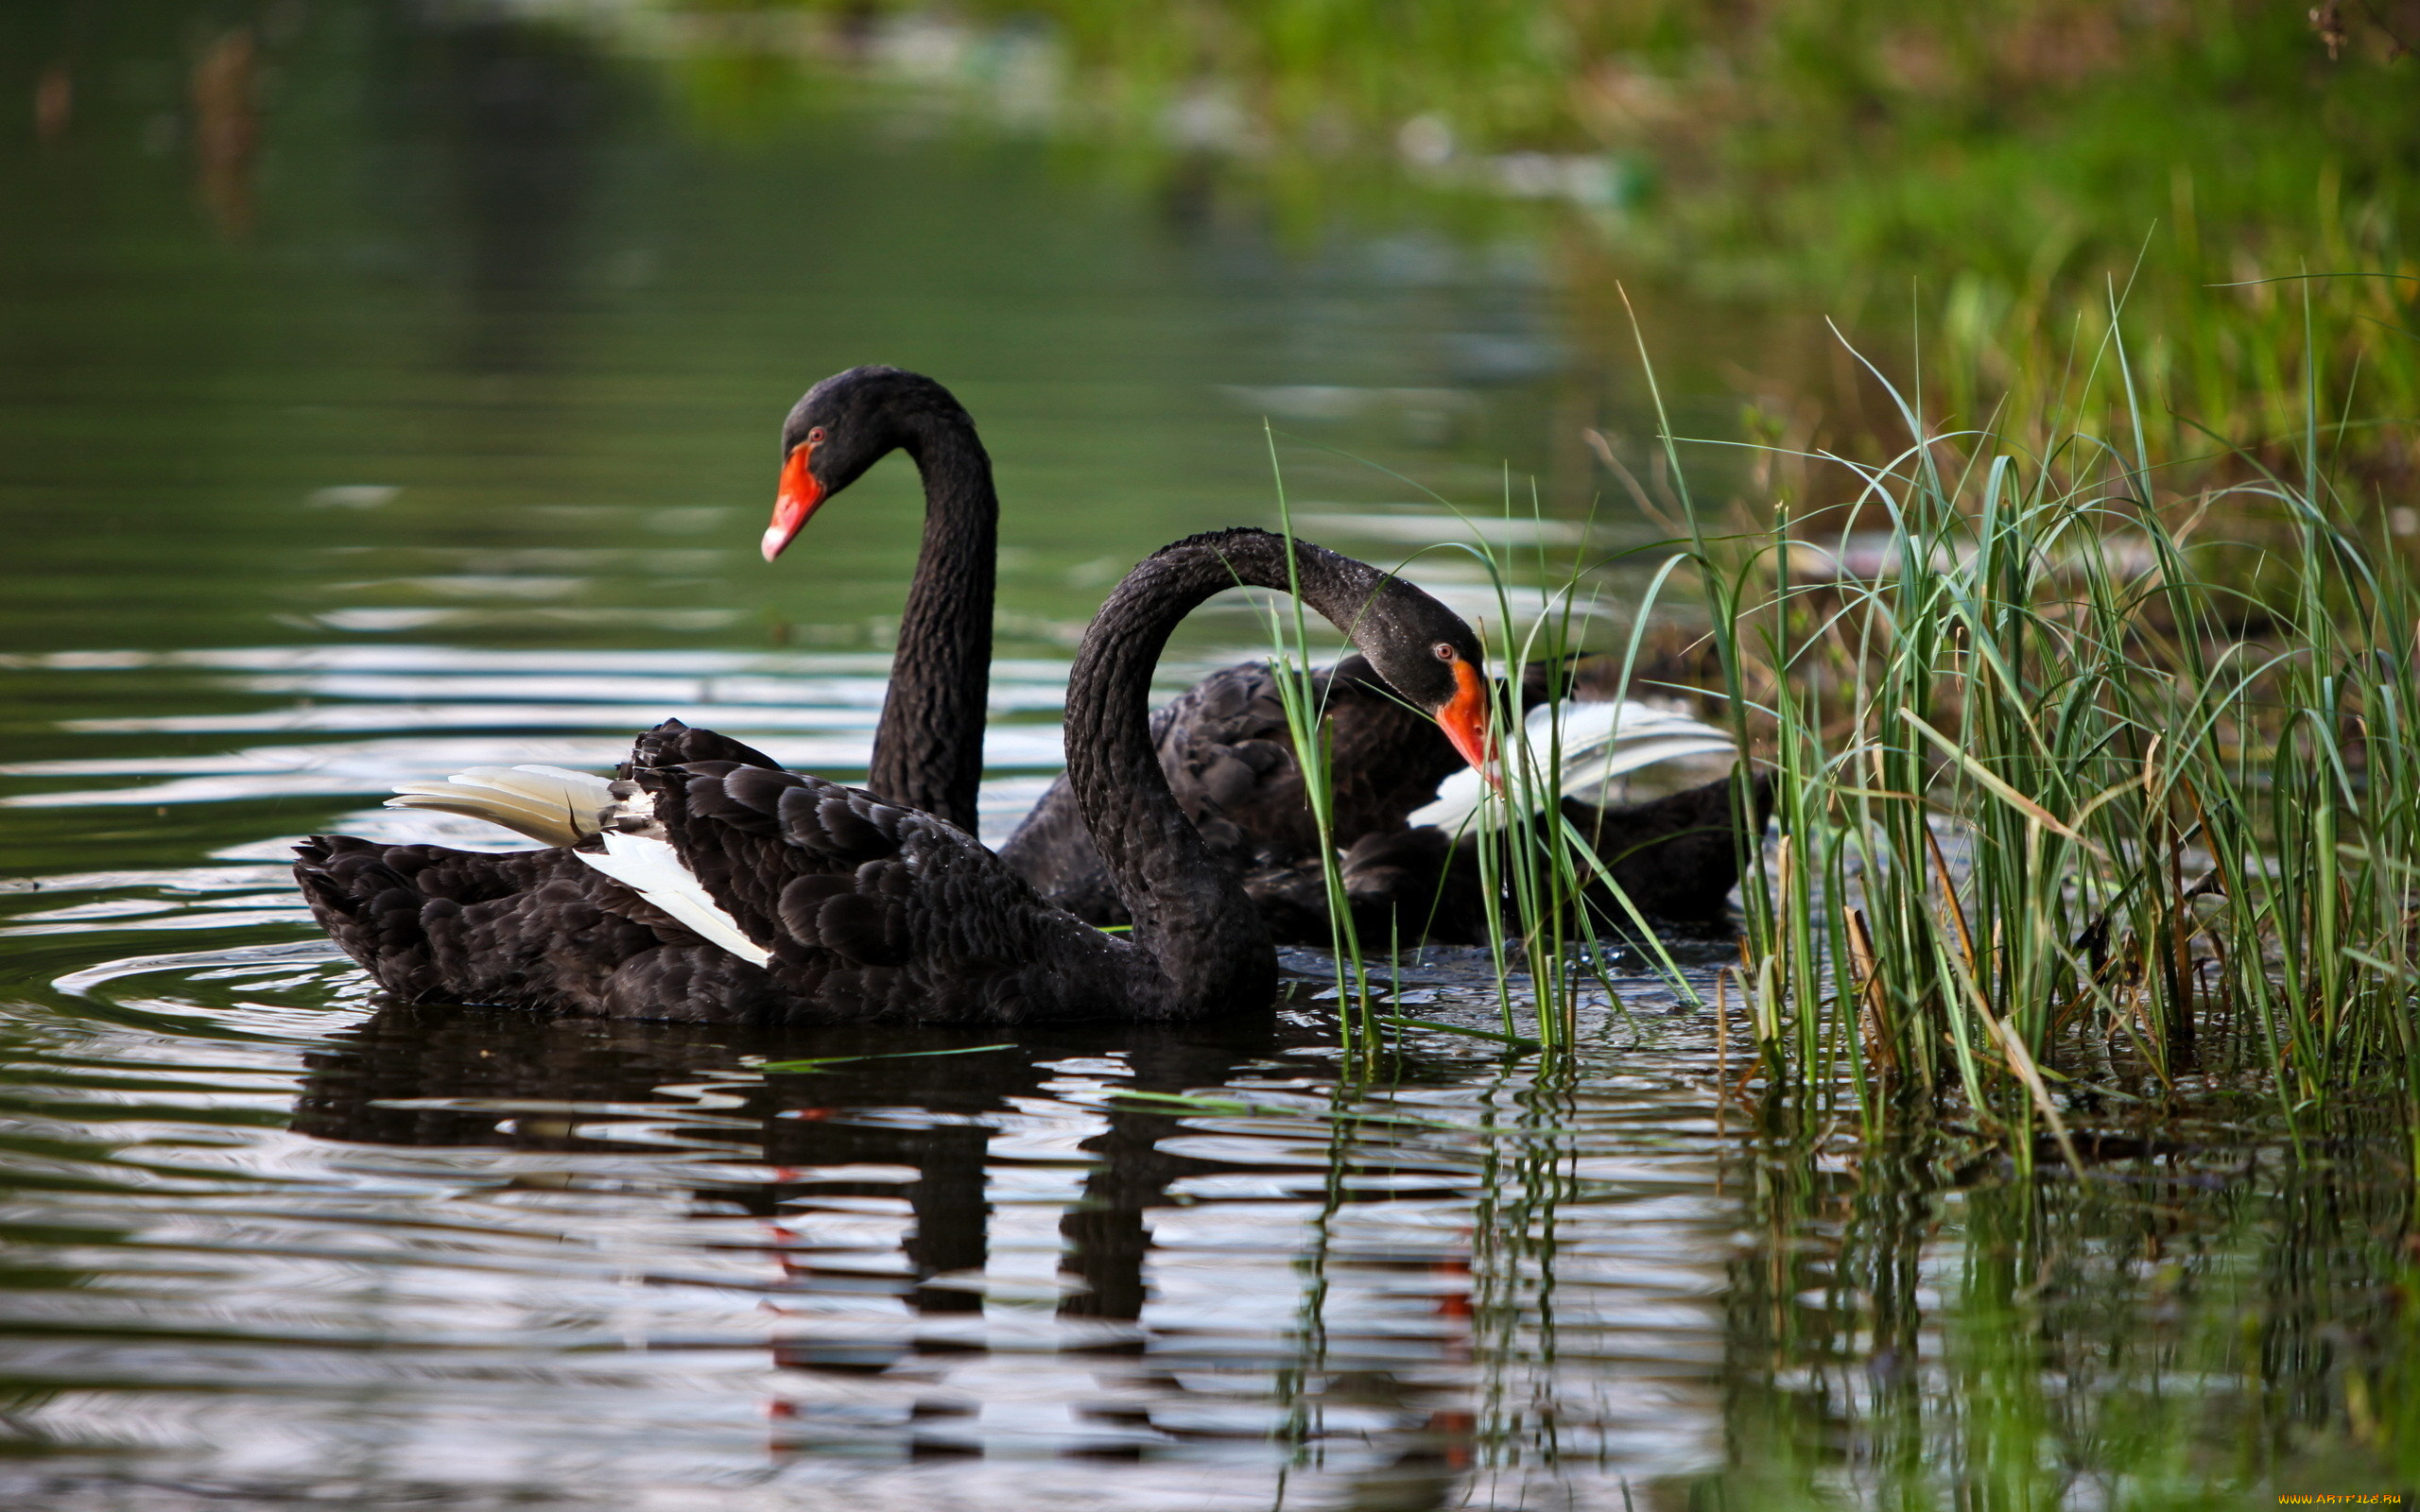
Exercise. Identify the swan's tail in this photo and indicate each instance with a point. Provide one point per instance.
(548, 803)
(1601, 745)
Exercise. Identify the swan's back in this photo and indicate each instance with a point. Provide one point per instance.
(877, 911)
(831, 905)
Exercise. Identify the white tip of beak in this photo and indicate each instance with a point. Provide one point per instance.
(774, 542)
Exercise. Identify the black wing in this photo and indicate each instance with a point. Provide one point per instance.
(1229, 756)
(674, 744)
(870, 912)
(873, 911)
(535, 929)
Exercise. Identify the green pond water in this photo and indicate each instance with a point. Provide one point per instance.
(425, 415)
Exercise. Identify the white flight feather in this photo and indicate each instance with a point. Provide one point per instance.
(653, 871)
(1603, 742)
(549, 804)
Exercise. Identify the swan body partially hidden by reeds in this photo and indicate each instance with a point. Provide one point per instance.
(1593, 753)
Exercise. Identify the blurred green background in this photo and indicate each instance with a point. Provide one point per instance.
(543, 252)
(1985, 180)
(472, 321)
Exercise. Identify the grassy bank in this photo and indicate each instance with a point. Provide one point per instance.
(1987, 172)
(2097, 785)
(1986, 175)
(2087, 798)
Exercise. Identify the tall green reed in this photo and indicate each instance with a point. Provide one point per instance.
(2078, 783)
(1299, 694)
(1528, 856)
(1557, 894)
(1549, 893)
(2071, 786)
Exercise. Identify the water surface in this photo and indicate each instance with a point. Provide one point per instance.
(435, 427)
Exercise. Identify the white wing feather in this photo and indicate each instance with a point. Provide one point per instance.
(1603, 742)
(549, 804)
(653, 871)
(556, 806)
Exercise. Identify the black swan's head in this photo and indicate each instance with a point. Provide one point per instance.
(1426, 652)
(1430, 657)
(846, 424)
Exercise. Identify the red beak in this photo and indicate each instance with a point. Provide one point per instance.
(798, 498)
(1464, 719)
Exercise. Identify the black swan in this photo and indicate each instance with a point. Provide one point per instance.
(724, 890)
(1405, 803)
(1223, 743)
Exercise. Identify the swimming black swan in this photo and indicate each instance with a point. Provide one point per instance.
(1404, 806)
(1223, 743)
(723, 890)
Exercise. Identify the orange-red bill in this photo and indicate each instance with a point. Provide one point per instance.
(1464, 719)
(799, 495)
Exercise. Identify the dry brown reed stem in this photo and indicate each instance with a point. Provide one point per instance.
(1722, 1040)
(1881, 1040)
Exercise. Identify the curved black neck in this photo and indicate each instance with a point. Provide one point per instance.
(1190, 913)
(928, 749)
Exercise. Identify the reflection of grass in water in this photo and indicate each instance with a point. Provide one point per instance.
(2174, 1334)
(1908, 1327)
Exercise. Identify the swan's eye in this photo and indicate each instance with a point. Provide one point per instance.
(814, 437)
(1445, 651)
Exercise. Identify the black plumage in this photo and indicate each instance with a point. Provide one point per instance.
(871, 910)
(1229, 757)
(928, 750)
(528, 928)
(1225, 749)
(1223, 743)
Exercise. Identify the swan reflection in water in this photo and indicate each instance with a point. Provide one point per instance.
(959, 1242)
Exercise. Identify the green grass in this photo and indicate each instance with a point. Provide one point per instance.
(1557, 897)
(2076, 1158)
(1308, 730)
(1993, 170)
(2179, 766)
(2084, 797)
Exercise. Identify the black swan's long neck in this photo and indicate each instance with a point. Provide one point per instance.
(929, 748)
(1189, 912)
